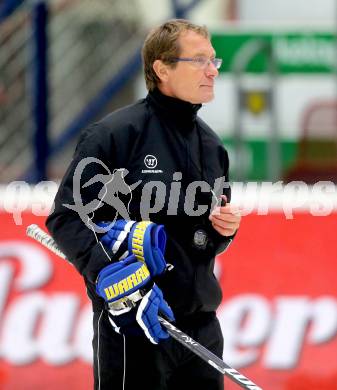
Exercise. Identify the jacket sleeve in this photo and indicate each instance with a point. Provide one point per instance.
(221, 243)
(67, 225)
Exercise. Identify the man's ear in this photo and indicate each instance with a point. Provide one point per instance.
(161, 70)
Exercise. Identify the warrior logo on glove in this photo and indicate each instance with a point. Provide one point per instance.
(113, 289)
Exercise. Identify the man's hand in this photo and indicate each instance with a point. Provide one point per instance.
(225, 219)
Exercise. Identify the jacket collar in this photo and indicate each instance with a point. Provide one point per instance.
(183, 114)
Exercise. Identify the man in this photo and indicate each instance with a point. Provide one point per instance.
(171, 161)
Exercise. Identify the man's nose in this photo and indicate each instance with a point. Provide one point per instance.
(211, 70)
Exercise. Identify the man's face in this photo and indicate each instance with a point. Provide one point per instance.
(188, 81)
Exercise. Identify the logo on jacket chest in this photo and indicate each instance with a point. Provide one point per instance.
(151, 162)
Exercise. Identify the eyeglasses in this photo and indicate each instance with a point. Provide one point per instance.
(199, 62)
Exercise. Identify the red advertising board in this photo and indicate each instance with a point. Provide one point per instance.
(279, 312)
(45, 316)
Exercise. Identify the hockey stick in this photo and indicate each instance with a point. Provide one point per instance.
(46, 240)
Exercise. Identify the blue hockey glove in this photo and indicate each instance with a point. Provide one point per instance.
(133, 301)
(152, 305)
(145, 239)
(117, 282)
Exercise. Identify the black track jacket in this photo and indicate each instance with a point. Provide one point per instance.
(153, 139)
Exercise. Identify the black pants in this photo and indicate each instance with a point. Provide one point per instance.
(130, 363)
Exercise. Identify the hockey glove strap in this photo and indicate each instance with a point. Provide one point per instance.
(145, 239)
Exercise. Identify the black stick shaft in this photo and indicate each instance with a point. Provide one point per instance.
(208, 356)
